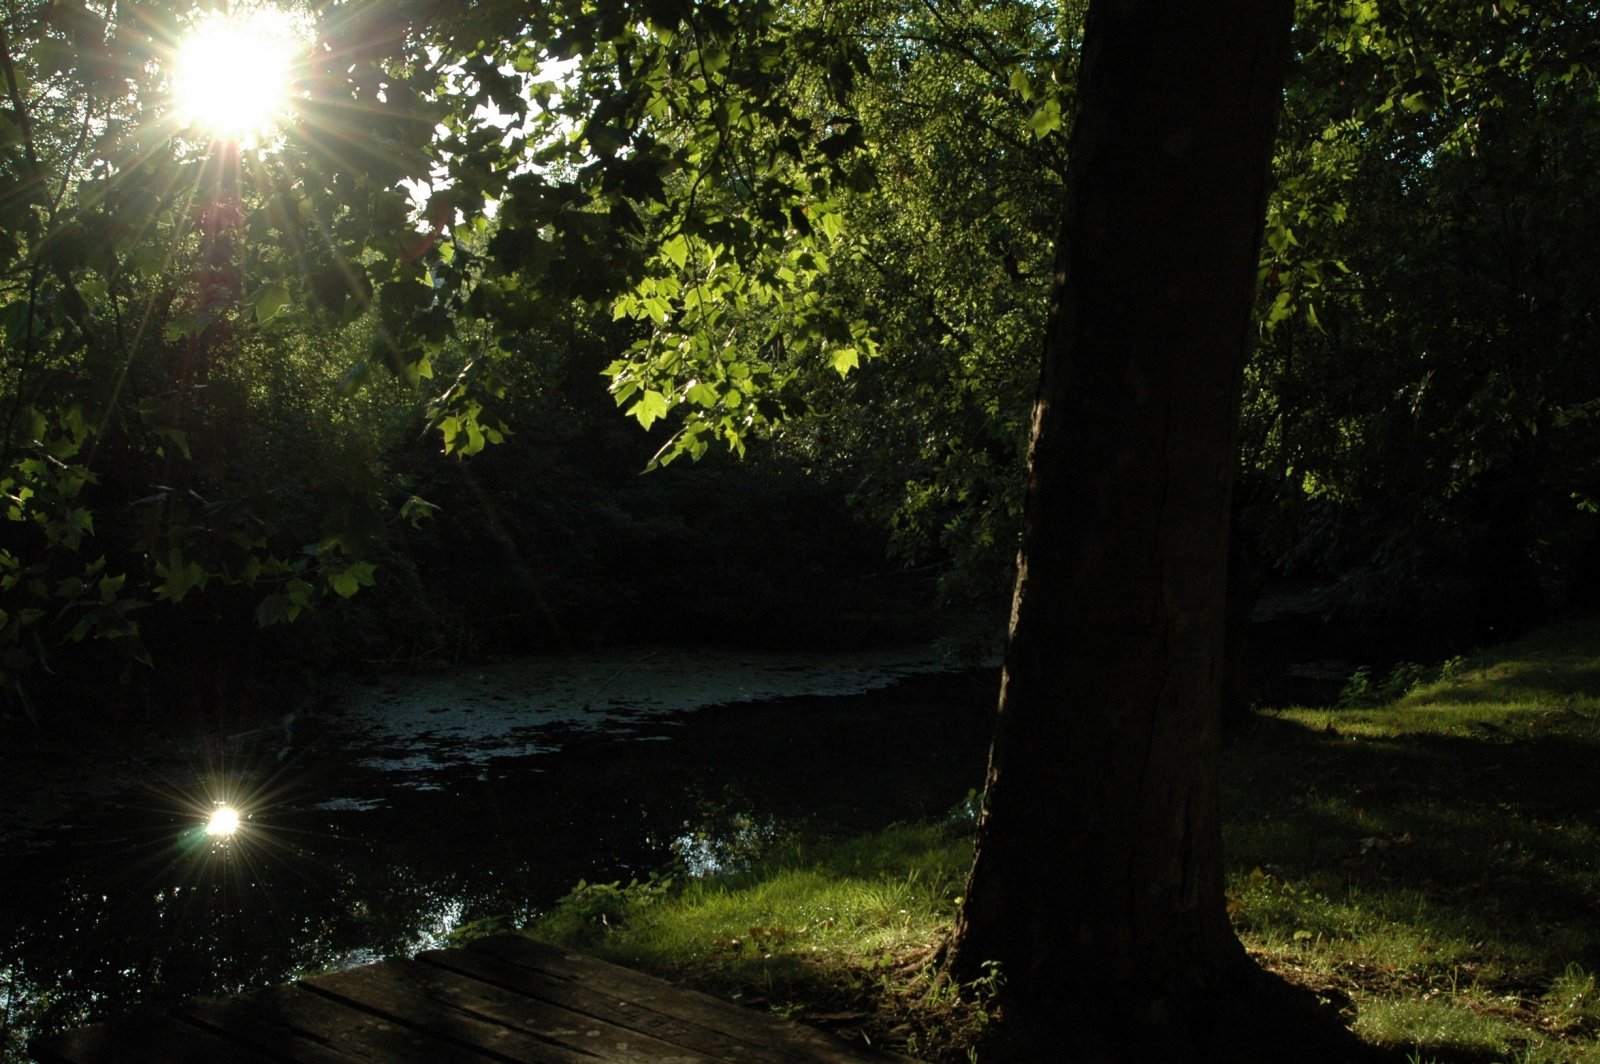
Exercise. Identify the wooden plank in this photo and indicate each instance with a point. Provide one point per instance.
(235, 1020)
(489, 1018)
(768, 1038)
(139, 1040)
(767, 1032)
(628, 1011)
(504, 998)
(356, 1033)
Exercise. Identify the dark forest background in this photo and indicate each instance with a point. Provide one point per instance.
(244, 391)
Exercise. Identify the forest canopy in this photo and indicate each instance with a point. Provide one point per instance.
(372, 352)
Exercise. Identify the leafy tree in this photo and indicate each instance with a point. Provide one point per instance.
(173, 307)
(170, 426)
(962, 117)
(737, 202)
(1098, 879)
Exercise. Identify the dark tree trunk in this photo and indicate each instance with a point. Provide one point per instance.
(1098, 878)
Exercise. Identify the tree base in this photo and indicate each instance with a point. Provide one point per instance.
(1256, 1017)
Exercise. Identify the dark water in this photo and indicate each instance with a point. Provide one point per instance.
(352, 849)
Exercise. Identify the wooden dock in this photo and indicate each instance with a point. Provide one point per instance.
(504, 998)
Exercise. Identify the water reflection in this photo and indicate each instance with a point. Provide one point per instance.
(728, 841)
(334, 864)
(526, 707)
(152, 924)
(161, 897)
(224, 820)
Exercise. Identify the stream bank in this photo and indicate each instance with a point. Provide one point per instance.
(352, 849)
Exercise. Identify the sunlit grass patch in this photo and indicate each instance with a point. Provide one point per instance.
(1429, 864)
(1545, 678)
(1441, 1022)
(1433, 857)
(1573, 1001)
(1472, 1027)
(1465, 706)
(1400, 935)
(858, 900)
(844, 933)
(1425, 974)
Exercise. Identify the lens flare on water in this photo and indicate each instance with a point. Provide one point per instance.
(224, 821)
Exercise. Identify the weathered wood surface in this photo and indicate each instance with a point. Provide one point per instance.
(503, 998)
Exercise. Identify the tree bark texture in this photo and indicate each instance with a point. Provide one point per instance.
(1099, 869)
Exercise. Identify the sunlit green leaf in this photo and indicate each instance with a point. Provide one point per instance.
(677, 249)
(346, 582)
(1020, 83)
(843, 360)
(1047, 119)
(651, 407)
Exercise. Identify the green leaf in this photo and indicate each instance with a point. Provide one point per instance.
(182, 578)
(1047, 119)
(274, 609)
(1282, 307)
(1021, 84)
(348, 581)
(844, 359)
(651, 407)
(677, 249)
(270, 301)
(416, 510)
(1281, 238)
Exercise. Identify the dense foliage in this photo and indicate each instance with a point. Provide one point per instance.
(236, 381)
(1424, 389)
(219, 356)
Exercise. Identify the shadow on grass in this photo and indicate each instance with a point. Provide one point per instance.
(1450, 871)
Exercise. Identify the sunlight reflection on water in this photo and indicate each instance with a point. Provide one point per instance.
(401, 819)
(224, 820)
(706, 851)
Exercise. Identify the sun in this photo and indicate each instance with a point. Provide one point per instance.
(233, 74)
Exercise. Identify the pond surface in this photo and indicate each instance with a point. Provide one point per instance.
(423, 726)
(425, 803)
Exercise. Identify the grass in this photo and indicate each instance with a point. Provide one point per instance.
(842, 934)
(1433, 859)
(1431, 864)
